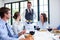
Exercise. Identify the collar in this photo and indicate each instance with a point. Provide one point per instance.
(28, 9)
(3, 21)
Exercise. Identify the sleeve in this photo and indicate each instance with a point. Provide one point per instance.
(58, 28)
(4, 35)
(34, 15)
(23, 16)
(16, 36)
(12, 31)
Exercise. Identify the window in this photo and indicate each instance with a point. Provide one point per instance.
(23, 6)
(43, 4)
(15, 8)
(39, 6)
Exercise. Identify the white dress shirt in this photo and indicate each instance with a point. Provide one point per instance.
(4, 31)
(23, 15)
(42, 26)
(29, 27)
(17, 27)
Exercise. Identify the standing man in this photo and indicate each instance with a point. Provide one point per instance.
(29, 17)
(29, 12)
(6, 32)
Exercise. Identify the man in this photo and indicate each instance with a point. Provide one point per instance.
(29, 12)
(6, 32)
(29, 17)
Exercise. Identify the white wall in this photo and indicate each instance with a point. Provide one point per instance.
(54, 13)
(59, 15)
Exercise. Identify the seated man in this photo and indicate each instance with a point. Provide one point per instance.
(6, 32)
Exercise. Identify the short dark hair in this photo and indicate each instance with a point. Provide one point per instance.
(28, 2)
(3, 10)
(16, 14)
(44, 17)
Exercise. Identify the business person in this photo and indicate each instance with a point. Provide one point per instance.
(43, 21)
(17, 25)
(29, 17)
(29, 13)
(6, 32)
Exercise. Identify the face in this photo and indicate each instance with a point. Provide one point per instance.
(41, 18)
(19, 17)
(29, 5)
(8, 15)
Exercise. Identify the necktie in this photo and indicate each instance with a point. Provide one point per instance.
(9, 33)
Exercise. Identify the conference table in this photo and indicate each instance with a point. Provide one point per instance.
(44, 35)
(41, 35)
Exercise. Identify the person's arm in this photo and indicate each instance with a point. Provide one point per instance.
(54, 28)
(23, 16)
(19, 34)
(4, 34)
(12, 32)
(34, 15)
(58, 28)
(16, 35)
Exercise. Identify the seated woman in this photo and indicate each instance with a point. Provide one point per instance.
(43, 21)
(17, 25)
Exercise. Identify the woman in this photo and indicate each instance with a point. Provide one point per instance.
(43, 21)
(17, 25)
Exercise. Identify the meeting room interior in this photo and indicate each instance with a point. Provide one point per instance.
(29, 20)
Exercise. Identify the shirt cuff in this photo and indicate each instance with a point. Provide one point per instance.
(16, 36)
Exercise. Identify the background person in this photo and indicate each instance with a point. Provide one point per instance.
(17, 25)
(29, 14)
(43, 21)
(6, 32)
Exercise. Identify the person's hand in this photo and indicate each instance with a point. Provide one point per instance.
(26, 39)
(54, 28)
(22, 39)
(59, 37)
(23, 32)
